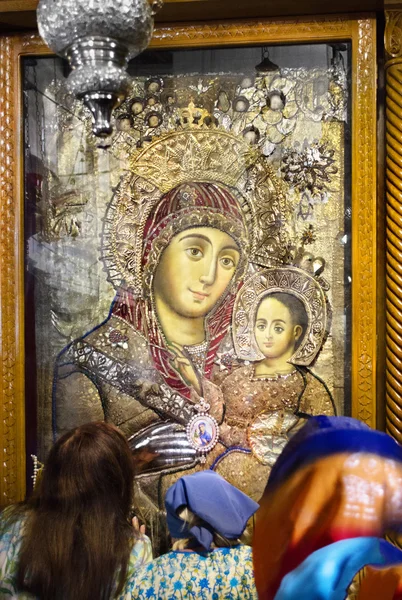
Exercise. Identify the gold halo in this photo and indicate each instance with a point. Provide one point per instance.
(191, 155)
(212, 155)
(282, 279)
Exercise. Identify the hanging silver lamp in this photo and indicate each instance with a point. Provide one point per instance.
(98, 38)
(266, 65)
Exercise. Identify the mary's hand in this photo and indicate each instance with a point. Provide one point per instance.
(146, 388)
(166, 445)
(184, 367)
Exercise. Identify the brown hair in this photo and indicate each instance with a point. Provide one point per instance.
(296, 309)
(219, 541)
(77, 539)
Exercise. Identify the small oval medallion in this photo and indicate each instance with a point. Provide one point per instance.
(203, 433)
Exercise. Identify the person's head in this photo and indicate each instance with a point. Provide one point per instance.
(276, 100)
(205, 510)
(151, 100)
(137, 106)
(309, 478)
(246, 82)
(154, 119)
(251, 135)
(201, 427)
(280, 324)
(168, 99)
(153, 86)
(199, 250)
(89, 465)
(241, 104)
(78, 536)
(123, 123)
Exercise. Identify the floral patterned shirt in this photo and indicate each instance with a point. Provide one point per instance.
(222, 573)
(10, 544)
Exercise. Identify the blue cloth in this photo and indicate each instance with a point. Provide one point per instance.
(327, 573)
(222, 574)
(220, 506)
(322, 436)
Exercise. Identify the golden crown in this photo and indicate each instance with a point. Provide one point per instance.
(194, 154)
(192, 116)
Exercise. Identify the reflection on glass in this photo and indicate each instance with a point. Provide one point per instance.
(196, 261)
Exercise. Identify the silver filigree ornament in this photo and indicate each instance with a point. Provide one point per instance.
(202, 431)
(98, 38)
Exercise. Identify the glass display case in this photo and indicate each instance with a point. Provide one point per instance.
(204, 277)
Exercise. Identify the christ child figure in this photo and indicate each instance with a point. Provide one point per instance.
(266, 400)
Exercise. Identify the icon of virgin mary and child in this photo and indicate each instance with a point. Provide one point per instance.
(188, 323)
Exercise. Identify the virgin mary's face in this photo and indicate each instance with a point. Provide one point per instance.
(195, 269)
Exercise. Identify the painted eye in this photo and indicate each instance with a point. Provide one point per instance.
(227, 262)
(194, 253)
(278, 329)
(261, 327)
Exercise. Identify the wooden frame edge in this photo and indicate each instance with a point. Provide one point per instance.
(362, 33)
(364, 221)
(12, 388)
(393, 195)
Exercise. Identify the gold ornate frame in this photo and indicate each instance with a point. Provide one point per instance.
(393, 187)
(362, 33)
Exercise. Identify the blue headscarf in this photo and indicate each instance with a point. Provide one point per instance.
(221, 507)
(328, 572)
(322, 436)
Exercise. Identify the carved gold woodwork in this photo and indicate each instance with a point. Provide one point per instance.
(393, 47)
(362, 33)
(12, 426)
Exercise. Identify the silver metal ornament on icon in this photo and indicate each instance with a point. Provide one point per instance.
(98, 38)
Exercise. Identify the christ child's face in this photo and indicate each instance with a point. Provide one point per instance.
(275, 332)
